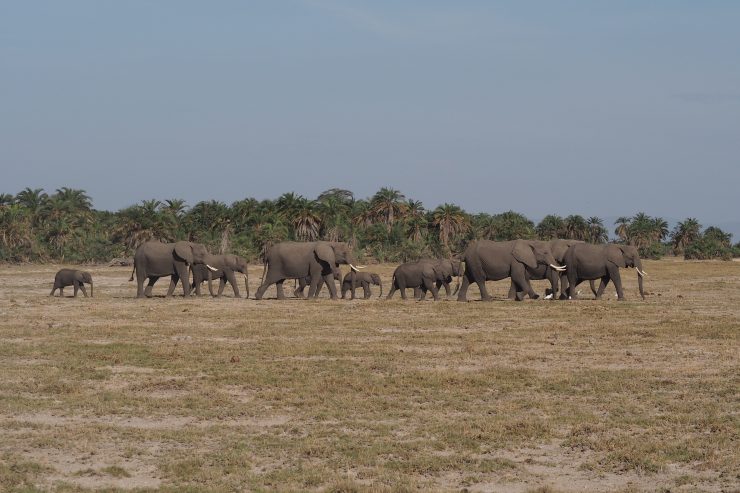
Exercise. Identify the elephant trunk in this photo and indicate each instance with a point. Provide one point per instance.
(246, 283)
(460, 272)
(91, 289)
(210, 283)
(640, 275)
(381, 289)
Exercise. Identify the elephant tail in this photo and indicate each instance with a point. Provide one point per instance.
(264, 269)
(132, 274)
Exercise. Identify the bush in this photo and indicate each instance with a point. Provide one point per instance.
(707, 248)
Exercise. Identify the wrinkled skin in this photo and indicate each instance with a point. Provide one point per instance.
(306, 281)
(227, 266)
(590, 262)
(487, 260)
(417, 275)
(557, 248)
(364, 280)
(317, 260)
(445, 270)
(155, 259)
(72, 277)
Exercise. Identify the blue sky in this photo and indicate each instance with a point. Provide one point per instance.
(592, 107)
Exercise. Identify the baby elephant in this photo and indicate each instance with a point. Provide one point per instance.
(72, 277)
(364, 279)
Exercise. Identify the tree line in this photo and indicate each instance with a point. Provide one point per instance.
(64, 227)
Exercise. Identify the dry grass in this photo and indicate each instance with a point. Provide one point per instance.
(233, 395)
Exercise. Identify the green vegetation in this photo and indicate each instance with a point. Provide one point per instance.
(63, 226)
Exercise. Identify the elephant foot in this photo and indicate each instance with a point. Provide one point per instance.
(534, 296)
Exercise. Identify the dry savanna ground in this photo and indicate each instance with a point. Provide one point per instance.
(232, 395)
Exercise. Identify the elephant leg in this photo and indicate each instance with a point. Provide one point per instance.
(602, 286)
(593, 288)
(231, 277)
(53, 289)
(366, 289)
(140, 278)
(463, 292)
(420, 293)
(329, 280)
(429, 285)
(345, 288)
(392, 290)
(82, 288)
(484, 296)
(61, 292)
(402, 289)
(617, 280)
(446, 285)
(519, 277)
(279, 289)
(182, 273)
(174, 278)
(75, 287)
(572, 283)
(512, 291)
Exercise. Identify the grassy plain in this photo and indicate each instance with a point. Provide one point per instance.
(234, 395)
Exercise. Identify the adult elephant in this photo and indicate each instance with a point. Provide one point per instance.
(419, 275)
(364, 279)
(306, 281)
(317, 260)
(587, 262)
(445, 270)
(226, 266)
(487, 260)
(557, 247)
(154, 259)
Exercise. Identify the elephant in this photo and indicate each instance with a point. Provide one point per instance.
(306, 281)
(226, 266)
(364, 279)
(587, 262)
(557, 247)
(421, 275)
(72, 277)
(154, 259)
(318, 260)
(446, 269)
(487, 260)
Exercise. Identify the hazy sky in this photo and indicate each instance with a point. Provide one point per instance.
(592, 107)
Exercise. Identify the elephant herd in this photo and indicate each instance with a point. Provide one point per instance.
(564, 263)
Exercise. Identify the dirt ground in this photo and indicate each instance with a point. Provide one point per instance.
(227, 394)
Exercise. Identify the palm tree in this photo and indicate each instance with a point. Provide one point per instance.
(334, 215)
(685, 233)
(485, 226)
(6, 199)
(551, 227)
(623, 224)
(306, 221)
(33, 200)
(175, 207)
(576, 227)
(387, 205)
(513, 225)
(451, 221)
(15, 228)
(270, 233)
(287, 205)
(596, 232)
(337, 193)
(659, 229)
(415, 219)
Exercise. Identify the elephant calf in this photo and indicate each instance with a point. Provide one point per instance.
(364, 279)
(72, 277)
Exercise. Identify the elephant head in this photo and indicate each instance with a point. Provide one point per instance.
(627, 256)
(191, 253)
(533, 253)
(376, 280)
(86, 278)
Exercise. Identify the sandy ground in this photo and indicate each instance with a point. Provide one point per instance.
(231, 394)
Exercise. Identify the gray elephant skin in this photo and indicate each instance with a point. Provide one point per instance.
(487, 260)
(72, 277)
(155, 259)
(226, 268)
(306, 281)
(557, 247)
(361, 279)
(318, 260)
(588, 262)
(423, 275)
(445, 270)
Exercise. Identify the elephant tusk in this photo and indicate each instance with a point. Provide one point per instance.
(214, 270)
(641, 272)
(356, 268)
(558, 268)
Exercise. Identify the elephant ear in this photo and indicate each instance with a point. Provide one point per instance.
(325, 253)
(615, 255)
(184, 251)
(523, 253)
